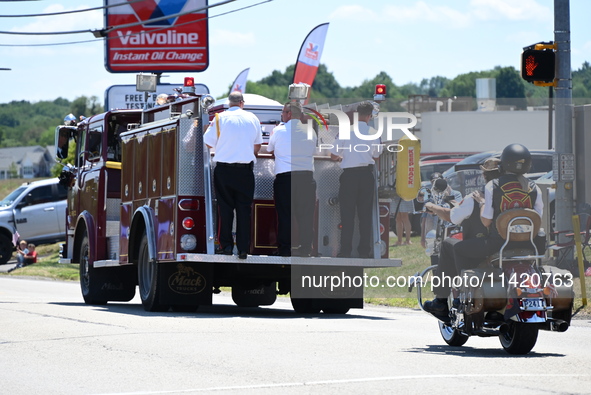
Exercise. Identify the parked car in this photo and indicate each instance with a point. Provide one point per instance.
(466, 176)
(37, 211)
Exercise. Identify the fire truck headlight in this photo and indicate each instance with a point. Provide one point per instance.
(188, 242)
(207, 101)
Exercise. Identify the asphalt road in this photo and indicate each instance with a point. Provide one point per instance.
(52, 343)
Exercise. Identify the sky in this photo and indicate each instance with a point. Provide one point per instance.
(408, 39)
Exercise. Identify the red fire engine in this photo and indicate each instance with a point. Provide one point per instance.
(141, 211)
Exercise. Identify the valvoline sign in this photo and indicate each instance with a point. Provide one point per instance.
(156, 36)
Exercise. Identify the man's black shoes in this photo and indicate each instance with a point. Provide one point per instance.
(229, 251)
(437, 307)
(224, 251)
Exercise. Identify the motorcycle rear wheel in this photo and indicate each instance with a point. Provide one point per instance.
(520, 338)
(452, 336)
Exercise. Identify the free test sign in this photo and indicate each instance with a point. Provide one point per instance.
(156, 36)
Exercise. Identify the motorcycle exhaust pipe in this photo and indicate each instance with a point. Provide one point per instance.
(560, 327)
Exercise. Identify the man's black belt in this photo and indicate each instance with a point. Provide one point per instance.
(295, 173)
(235, 164)
(359, 168)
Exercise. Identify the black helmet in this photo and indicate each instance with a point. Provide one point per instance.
(439, 185)
(515, 159)
(436, 176)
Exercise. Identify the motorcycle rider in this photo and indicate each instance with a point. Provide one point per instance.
(467, 214)
(429, 220)
(510, 190)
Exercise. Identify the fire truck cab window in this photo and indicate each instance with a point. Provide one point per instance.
(114, 141)
(94, 143)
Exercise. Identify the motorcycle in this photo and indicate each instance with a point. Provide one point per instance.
(510, 295)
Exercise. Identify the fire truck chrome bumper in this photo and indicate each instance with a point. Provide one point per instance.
(277, 260)
(106, 263)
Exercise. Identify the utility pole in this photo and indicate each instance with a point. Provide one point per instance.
(564, 157)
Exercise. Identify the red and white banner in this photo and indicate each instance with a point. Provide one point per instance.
(240, 82)
(156, 36)
(309, 57)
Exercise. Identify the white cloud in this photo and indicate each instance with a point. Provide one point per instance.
(229, 38)
(58, 23)
(67, 22)
(421, 12)
(580, 54)
(510, 9)
(525, 38)
(447, 16)
(354, 12)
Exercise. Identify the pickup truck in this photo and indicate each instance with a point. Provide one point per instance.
(37, 211)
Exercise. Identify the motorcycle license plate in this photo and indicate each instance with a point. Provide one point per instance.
(533, 304)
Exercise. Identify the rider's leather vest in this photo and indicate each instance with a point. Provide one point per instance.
(472, 226)
(508, 194)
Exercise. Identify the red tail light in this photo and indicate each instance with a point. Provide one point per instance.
(188, 223)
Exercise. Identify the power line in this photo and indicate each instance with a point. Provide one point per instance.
(70, 12)
(134, 34)
(162, 18)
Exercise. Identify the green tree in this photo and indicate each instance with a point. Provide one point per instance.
(465, 84)
(510, 88)
(277, 78)
(432, 86)
(582, 84)
(85, 106)
(13, 171)
(325, 83)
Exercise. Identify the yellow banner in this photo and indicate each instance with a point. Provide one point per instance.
(408, 174)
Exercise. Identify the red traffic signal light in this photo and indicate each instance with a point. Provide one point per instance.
(538, 65)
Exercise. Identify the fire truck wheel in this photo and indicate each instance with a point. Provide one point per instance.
(335, 310)
(185, 308)
(89, 283)
(304, 306)
(148, 279)
(5, 249)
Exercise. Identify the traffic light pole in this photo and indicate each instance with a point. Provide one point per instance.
(564, 158)
(550, 117)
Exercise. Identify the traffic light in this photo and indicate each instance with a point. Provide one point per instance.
(538, 65)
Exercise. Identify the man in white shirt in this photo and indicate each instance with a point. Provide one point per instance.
(357, 183)
(294, 188)
(236, 140)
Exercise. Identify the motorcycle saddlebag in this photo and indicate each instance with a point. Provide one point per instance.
(561, 284)
(483, 290)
